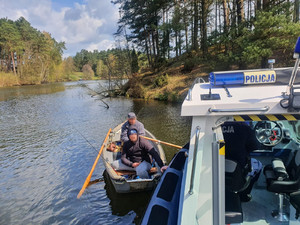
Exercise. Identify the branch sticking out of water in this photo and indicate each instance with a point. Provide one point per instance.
(94, 93)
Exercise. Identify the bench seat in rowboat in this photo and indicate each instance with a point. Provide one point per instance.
(129, 172)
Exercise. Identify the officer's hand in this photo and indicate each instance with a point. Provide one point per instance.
(163, 168)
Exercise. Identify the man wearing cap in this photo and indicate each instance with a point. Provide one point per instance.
(132, 121)
(135, 155)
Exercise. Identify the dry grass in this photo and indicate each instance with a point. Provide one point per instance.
(8, 80)
(178, 83)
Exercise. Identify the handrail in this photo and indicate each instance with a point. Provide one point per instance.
(194, 160)
(293, 76)
(196, 81)
(266, 108)
(189, 95)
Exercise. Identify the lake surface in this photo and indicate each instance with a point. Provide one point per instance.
(50, 136)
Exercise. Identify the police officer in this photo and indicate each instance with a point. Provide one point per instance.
(240, 140)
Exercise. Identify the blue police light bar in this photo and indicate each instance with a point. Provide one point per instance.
(242, 77)
(297, 47)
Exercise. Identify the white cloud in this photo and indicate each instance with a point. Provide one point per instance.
(82, 26)
(104, 44)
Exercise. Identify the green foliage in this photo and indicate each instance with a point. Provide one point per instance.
(189, 64)
(161, 80)
(170, 96)
(68, 68)
(136, 89)
(32, 56)
(102, 69)
(270, 34)
(134, 62)
(121, 60)
(143, 62)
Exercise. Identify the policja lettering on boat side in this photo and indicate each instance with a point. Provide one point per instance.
(259, 77)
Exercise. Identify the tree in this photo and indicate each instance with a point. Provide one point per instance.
(134, 62)
(10, 41)
(102, 69)
(30, 54)
(88, 72)
(68, 67)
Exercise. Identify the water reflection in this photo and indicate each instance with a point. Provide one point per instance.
(123, 204)
(49, 138)
(13, 92)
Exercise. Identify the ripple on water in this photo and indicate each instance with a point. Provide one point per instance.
(45, 156)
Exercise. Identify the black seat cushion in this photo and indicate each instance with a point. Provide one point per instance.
(281, 180)
(233, 208)
(295, 200)
(236, 179)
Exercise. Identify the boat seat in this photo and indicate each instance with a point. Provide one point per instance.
(117, 155)
(233, 208)
(295, 201)
(283, 180)
(153, 170)
(236, 178)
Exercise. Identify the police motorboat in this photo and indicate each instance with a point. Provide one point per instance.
(197, 188)
(127, 181)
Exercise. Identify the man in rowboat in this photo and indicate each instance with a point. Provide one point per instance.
(135, 156)
(132, 121)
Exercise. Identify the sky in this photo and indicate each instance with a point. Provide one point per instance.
(81, 24)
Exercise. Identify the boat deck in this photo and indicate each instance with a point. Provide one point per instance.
(258, 210)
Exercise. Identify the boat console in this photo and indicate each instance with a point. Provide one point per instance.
(253, 97)
(209, 183)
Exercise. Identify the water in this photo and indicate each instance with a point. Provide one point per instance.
(49, 139)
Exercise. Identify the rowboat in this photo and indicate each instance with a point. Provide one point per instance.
(127, 181)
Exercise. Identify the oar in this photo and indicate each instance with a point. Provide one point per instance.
(163, 142)
(86, 183)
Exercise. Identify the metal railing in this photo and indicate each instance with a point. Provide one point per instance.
(194, 160)
(266, 108)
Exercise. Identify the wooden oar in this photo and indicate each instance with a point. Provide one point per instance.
(86, 183)
(163, 142)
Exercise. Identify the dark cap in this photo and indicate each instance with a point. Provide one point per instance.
(131, 115)
(132, 131)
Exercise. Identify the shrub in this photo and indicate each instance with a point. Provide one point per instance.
(134, 89)
(8, 79)
(88, 72)
(168, 96)
(161, 80)
(189, 65)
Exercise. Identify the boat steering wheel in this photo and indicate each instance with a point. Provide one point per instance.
(268, 133)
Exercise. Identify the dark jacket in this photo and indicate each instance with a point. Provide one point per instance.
(239, 140)
(125, 127)
(138, 152)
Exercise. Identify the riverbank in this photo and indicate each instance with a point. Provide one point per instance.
(170, 83)
(10, 80)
